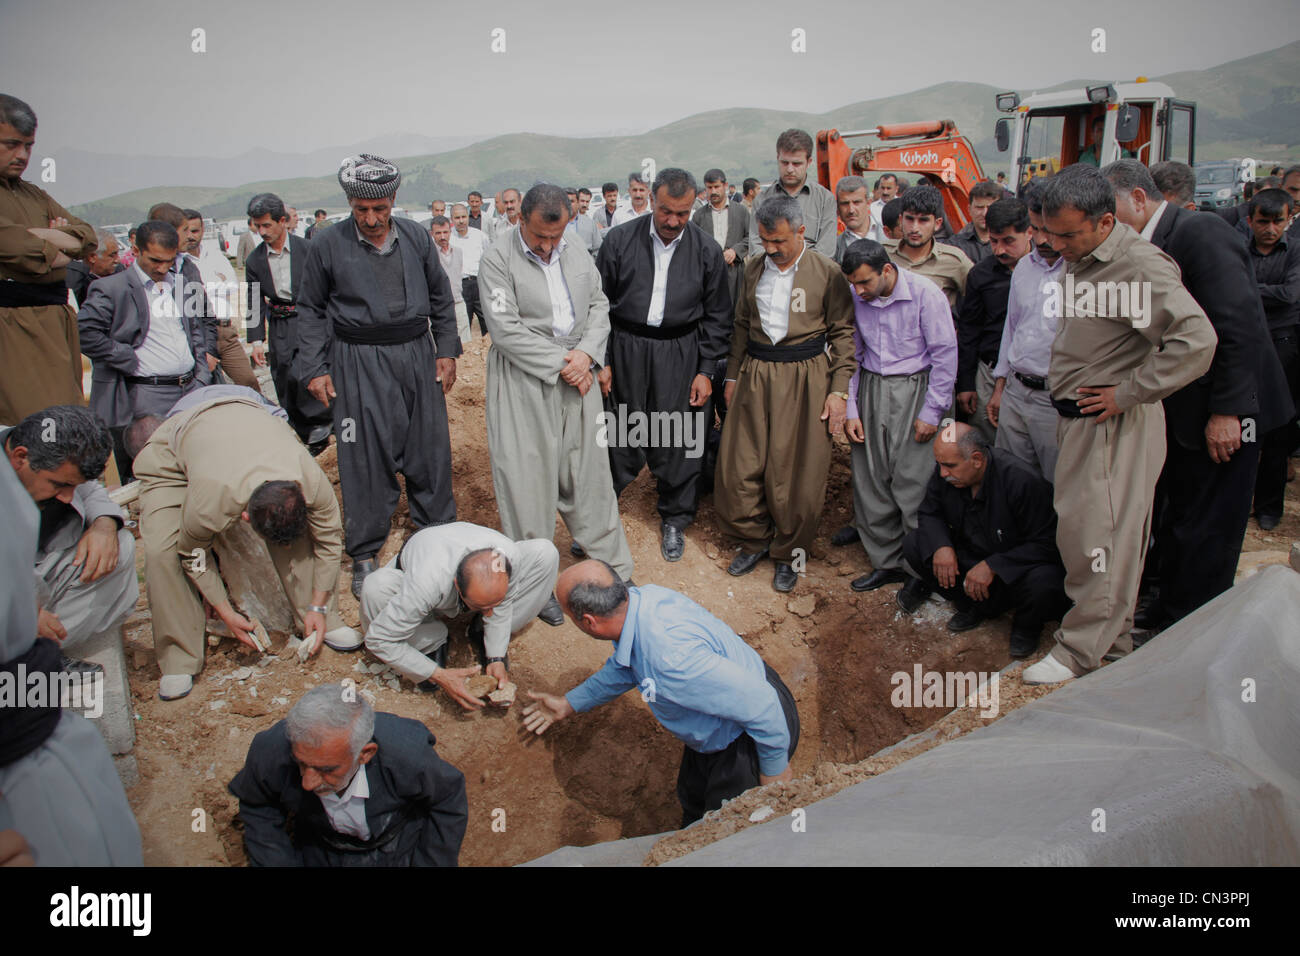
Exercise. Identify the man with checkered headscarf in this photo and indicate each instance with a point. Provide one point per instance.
(378, 344)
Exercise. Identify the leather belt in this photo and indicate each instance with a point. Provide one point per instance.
(1036, 382)
(1069, 409)
(179, 381)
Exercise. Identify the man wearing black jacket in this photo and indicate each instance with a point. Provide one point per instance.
(273, 272)
(335, 784)
(986, 540)
(670, 319)
(1215, 425)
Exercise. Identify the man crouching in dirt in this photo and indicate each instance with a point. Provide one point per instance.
(364, 789)
(705, 685)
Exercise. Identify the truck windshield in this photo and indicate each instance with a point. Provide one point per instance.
(1040, 151)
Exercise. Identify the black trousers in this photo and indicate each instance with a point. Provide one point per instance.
(1201, 524)
(705, 780)
(652, 377)
(1037, 596)
(390, 416)
(473, 307)
(1277, 445)
(308, 416)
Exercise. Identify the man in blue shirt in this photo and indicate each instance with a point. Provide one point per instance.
(705, 685)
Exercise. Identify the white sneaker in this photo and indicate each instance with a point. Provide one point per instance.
(343, 639)
(175, 686)
(1047, 671)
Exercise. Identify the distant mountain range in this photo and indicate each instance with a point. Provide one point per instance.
(1248, 107)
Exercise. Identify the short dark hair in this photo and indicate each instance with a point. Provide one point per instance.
(1271, 203)
(609, 188)
(583, 191)
(548, 201)
(64, 433)
(1081, 187)
(571, 191)
(1126, 175)
(439, 221)
(1006, 214)
(1177, 178)
(779, 208)
(320, 212)
(17, 114)
(794, 141)
(715, 175)
(1033, 194)
(598, 600)
(985, 190)
(1289, 172)
(891, 212)
(677, 181)
(923, 201)
(636, 177)
(157, 232)
(191, 214)
(463, 568)
(888, 176)
(849, 184)
(749, 185)
(473, 192)
(277, 510)
(864, 252)
(169, 213)
(268, 204)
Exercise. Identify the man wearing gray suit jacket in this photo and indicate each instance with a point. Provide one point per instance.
(549, 321)
(728, 223)
(147, 345)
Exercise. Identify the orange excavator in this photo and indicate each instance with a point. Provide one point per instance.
(934, 152)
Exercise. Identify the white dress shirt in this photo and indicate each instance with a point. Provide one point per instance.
(627, 214)
(562, 316)
(720, 224)
(165, 350)
(876, 230)
(281, 271)
(347, 810)
(471, 246)
(663, 257)
(1149, 229)
(772, 296)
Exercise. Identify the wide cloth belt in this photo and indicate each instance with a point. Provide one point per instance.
(653, 331)
(1069, 409)
(394, 333)
(787, 353)
(22, 295)
(26, 728)
(179, 381)
(1037, 383)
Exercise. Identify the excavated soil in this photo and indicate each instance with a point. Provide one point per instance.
(607, 774)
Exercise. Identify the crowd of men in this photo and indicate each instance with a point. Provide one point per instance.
(1067, 409)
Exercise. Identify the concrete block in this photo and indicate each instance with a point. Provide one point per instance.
(251, 579)
(128, 771)
(116, 723)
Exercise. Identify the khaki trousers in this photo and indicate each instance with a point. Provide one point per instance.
(234, 360)
(1105, 485)
(40, 360)
(774, 456)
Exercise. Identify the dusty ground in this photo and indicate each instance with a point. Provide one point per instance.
(599, 776)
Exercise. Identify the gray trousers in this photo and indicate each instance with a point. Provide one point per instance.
(984, 383)
(1027, 427)
(890, 469)
(532, 580)
(88, 609)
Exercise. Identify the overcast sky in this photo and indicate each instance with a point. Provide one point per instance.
(119, 76)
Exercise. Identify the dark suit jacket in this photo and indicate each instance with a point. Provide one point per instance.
(113, 323)
(1019, 514)
(257, 268)
(416, 798)
(737, 228)
(80, 277)
(1246, 378)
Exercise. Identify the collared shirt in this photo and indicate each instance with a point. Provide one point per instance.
(281, 275)
(471, 246)
(562, 315)
(166, 349)
(903, 334)
(981, 319)
(1031, 323)
(772, 296)
(1278, 277)
(704, 684)
(389, 240)
(947, 266)
(347, 810)
(720, 224)
(663, 255)
(1149, 229)
(818, 205)
(626, 214)
(876, 230)
(448, 266)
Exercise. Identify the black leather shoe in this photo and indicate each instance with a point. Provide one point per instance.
(744, 563)
(1269, 522)
(784, 579)
(360, 570)
(1150, 617)
(913, 594)
(845, 536)
(1023, 645)
(673, 543)
(878, 579)
(964, 620)
(552, 613)
(577, 550)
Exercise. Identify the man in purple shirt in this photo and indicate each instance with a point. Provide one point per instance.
(906, 352)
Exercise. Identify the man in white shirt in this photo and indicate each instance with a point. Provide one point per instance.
(471, 243)
(510, 207)
(452, 260)
(639, 202)
(887, 187)
(854, 210)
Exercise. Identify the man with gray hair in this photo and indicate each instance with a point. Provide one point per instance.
(786, 394)
(102, 262)
(375, 318)
(549, 321)
(85, 557)
(336, 784)
(638, 191)
(853, 205)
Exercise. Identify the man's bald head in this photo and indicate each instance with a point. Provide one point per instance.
(594, 597)
(482, 578)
